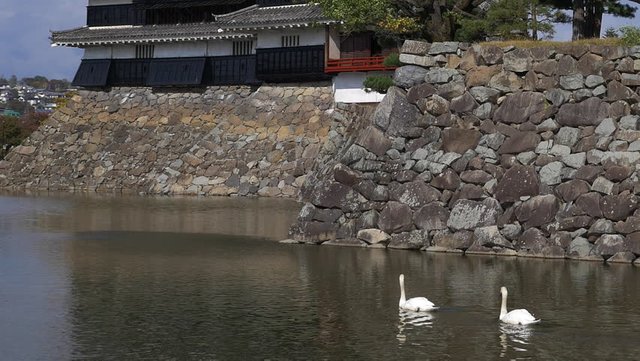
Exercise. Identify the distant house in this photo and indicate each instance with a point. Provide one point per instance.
(213, 42)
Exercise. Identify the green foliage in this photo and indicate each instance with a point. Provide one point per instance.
(610, 33)
(356, 15)
(509, 20)
(392, 60)
(10, 134)
(38, 82)
(630, 35)
(14, 130)
(378, 83)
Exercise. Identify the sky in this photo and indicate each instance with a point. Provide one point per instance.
(25, 28)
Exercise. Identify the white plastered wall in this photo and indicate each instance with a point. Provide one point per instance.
(308, 36)
(180, 50)
(97, 52)
(109, 2)
(219, 48)
(347, 88)
(123, 52)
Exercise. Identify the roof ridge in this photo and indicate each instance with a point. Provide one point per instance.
(288, 6)
(236, 12)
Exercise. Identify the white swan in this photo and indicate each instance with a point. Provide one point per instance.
(514, 317)
(417, 304)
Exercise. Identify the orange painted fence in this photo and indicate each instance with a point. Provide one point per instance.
(371, 63)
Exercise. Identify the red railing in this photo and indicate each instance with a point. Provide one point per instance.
(371, 63)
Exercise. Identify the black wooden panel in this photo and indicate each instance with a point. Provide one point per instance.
(110, 15)
(92, 73)
(176, 71)
(231, 70)
(290, 64)
(129, 72)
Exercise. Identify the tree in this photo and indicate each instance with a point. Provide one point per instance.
(13, 81)
(511, 19)
(38, 82)
(10, 134)
(433, 20)
(58, 85)
(587, 14)
(356, 15)
(438, 19)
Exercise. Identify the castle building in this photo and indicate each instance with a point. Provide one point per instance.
(172, 43)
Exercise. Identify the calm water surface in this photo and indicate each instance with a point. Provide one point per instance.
(114, 278)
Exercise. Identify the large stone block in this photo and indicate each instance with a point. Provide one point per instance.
(414, 194)
(470, 215)
(431, 217)
(520, 142)
(590, 204)
(329, 194)
(609, 244)
(490, 237)
(618, 207)
(518, 181)
(460, 140)
(517, 108)
(538, 210)
(571, 190)
(373, 236)
(395, 217)
(395, 113)
(415, 47)
(374, 140)
(518, 60)
(588, 112)
(532, 241)
(409, 75)
(409, 240)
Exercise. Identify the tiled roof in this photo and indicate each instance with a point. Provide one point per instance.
(273, 16)
(226, 26)
(142, 34)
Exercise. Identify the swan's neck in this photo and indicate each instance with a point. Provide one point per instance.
(503, 308)
(402, 296)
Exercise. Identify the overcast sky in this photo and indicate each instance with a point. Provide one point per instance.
(25, 26)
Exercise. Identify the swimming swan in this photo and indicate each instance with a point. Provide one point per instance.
(417, 304)
(515, 317)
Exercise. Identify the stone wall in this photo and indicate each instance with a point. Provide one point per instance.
(215, 141)
(487, 150)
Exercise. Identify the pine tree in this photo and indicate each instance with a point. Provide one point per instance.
(587, 14)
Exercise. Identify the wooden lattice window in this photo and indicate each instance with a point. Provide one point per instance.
(244, 47)
(290, 41)
(145, 51)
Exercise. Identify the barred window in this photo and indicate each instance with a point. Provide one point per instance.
(290, 40)
(144, 51)
(243, 47)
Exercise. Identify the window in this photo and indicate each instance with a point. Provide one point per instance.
(290, 41)
(144, 51)
(243, 47)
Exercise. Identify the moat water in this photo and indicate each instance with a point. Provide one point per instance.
(132, 278)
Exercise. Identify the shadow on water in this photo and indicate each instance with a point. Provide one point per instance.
(264, 218)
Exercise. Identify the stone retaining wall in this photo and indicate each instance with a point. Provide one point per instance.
(215, 141)
(487, 150)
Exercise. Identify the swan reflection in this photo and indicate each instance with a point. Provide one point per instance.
(409, 320)
(515, 337)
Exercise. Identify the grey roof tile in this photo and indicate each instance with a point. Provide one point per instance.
(232, 25)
